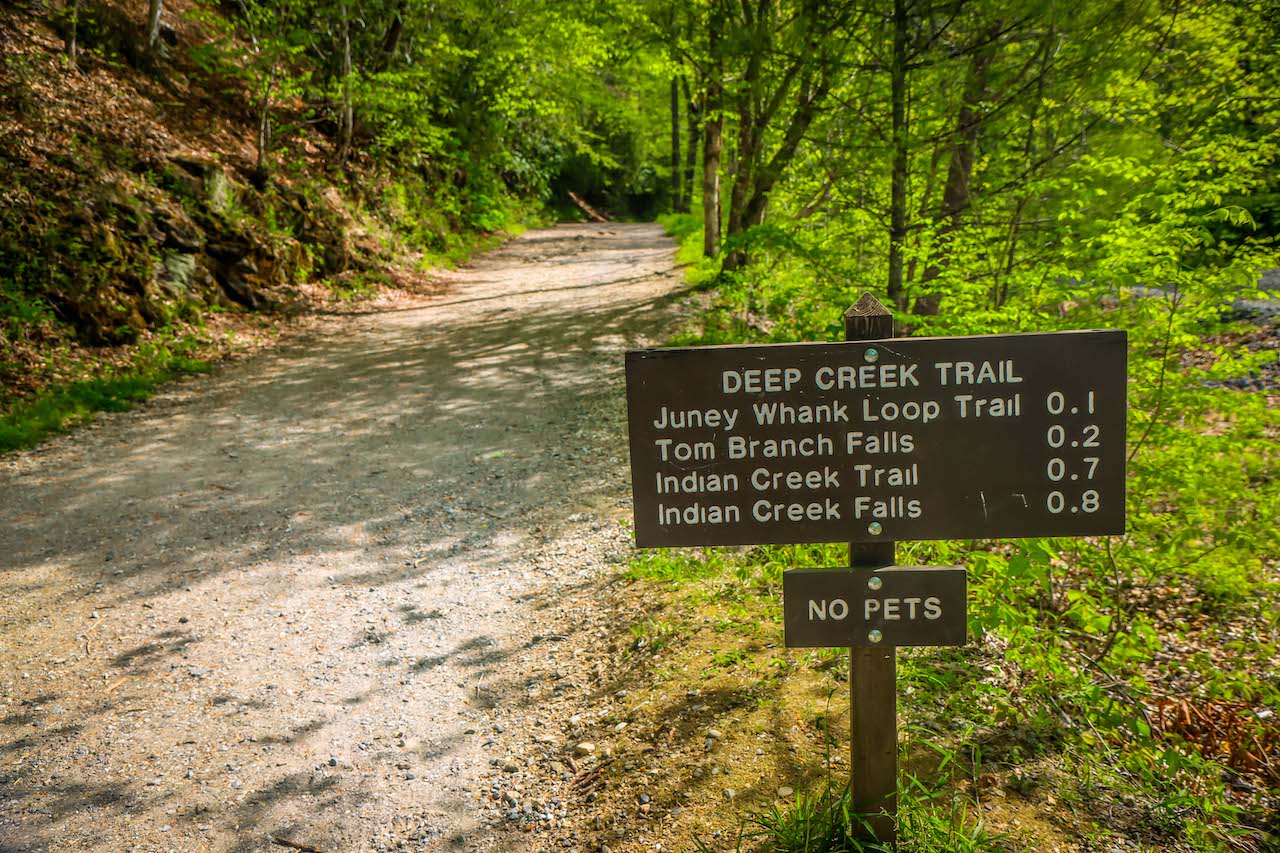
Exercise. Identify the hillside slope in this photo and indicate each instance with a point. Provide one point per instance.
(134, 217)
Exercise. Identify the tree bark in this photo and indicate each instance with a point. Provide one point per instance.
(153, 25)
(261, 171)
(898, 170)
(811, 96)
(809, 77)
(926, 198)
(346, 120)
(391, 39)
(712, 141)
(711, 144)
(956, 194)
(691, 147)
(1000, 291)
(676, 163)
(750, 123)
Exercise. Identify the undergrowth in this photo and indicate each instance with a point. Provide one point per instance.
(1123, 687)
(29, 421)
(931, 818)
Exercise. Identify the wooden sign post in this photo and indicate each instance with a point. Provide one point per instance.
(870, 441)
(873, 671)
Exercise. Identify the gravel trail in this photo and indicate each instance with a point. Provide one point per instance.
(326, 597)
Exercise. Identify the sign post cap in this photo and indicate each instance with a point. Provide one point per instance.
(867, 306)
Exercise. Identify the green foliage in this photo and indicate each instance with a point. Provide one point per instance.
(822, 822)
(1080, 627)
(683, 227)
(653, 635)
(20, 310)
(263, 54)
(29, 421)
(932, 819)
(701, 272)
(675, 566)
(1070, 636)
(355, 286)
(1105, 191)
(443, 222)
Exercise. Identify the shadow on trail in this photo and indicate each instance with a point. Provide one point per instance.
(428, 439)
(296, 454)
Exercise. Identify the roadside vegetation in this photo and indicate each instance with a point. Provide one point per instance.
(180, 180)
(177, 181)
(1117, 693)
(49, 411)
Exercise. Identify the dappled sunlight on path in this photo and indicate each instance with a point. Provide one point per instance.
(284, 598)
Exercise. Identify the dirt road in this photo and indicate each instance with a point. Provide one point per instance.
(322, 598)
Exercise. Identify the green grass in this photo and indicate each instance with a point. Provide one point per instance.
(30, 421)
(1074, 642)
(700, 272)
(821, 822)
(931, 819)
(653, 635)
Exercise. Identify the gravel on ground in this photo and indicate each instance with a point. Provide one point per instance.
(339, 596)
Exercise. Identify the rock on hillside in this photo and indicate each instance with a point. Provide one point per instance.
(127, 197)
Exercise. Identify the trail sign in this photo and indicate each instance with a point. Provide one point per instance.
(891, 606)
(870, 441)
(906, 438)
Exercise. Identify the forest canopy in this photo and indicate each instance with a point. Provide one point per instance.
(953, 156)
(961, 155)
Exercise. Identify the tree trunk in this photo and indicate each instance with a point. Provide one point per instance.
(747, 151)
(1000, 287)
(71, 47)
(956, 194)
(926, 200)
(676, 162)
(346, 121)
(1000, 291)
(153, 26)
(691, 148)
(750, 129)
(261, 171)
(811, 95)
(391, 39)
(810, 73)
(898, 176)
(712, 142)
(744, 167)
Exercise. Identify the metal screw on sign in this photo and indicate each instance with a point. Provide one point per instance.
(874, 635)
(871, 354)
(874, 528)
(874, 584)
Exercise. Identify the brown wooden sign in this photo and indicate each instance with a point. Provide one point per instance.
(863, 441)
(891, 606)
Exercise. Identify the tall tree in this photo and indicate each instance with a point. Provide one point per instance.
(694, 129)
(790, 57)
(901, 23)
(713, 132)
(153, 25)
(676, 131)
(963, 144)
(346, 114)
